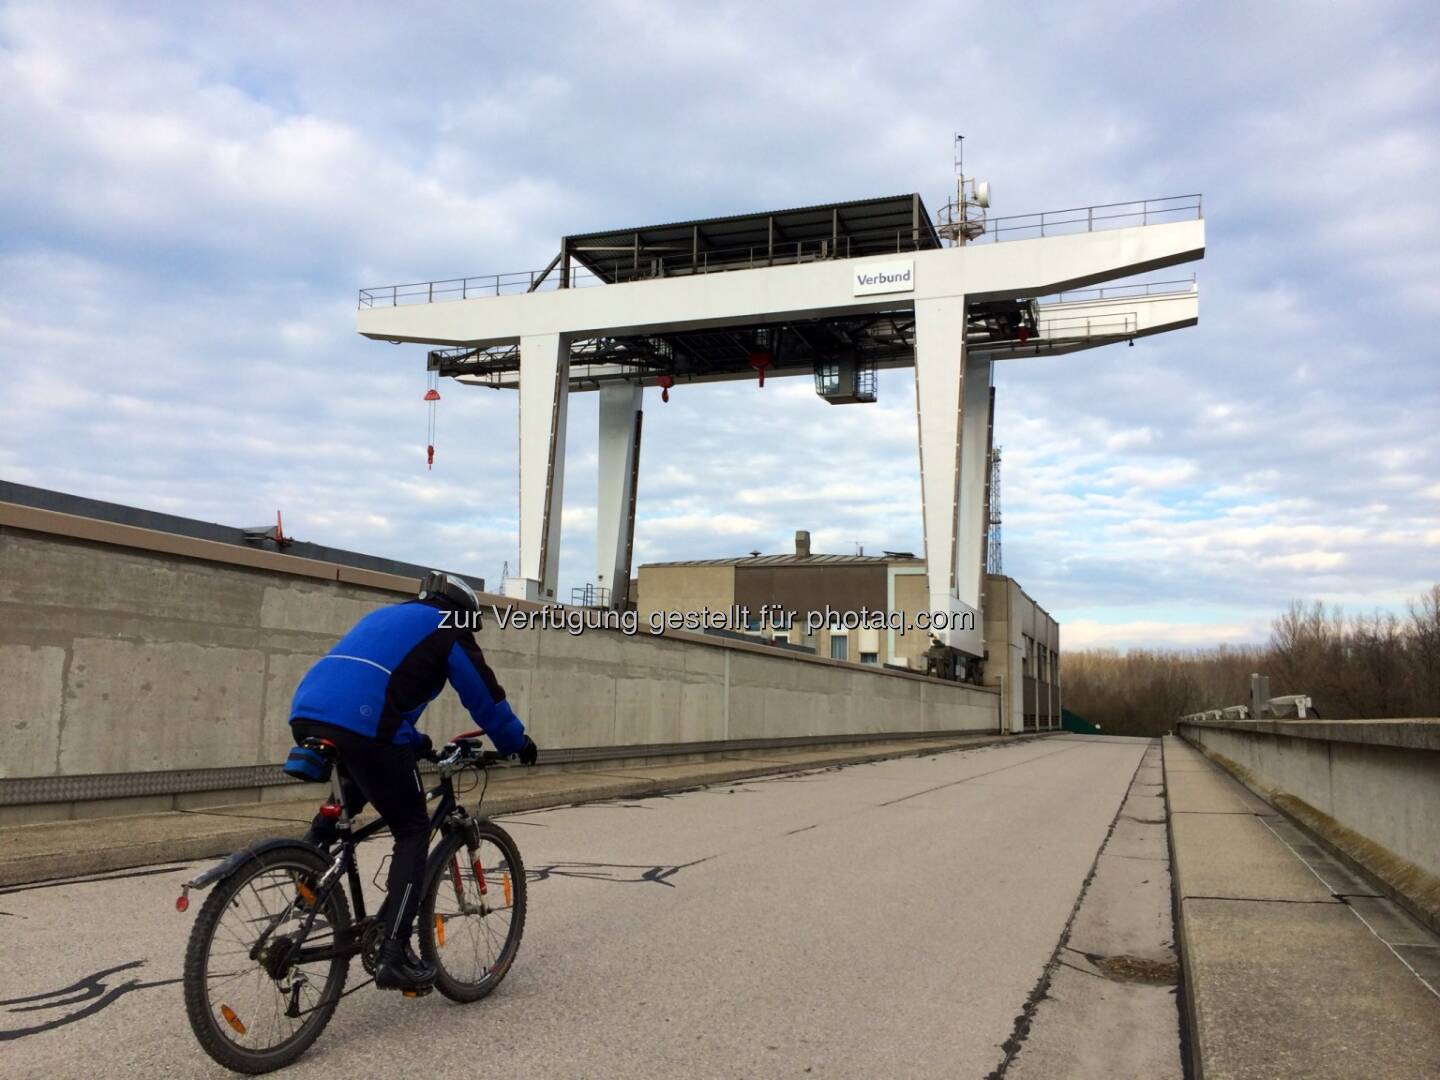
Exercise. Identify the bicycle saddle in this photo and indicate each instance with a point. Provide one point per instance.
(322, 746)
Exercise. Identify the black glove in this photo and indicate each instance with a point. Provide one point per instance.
(425, 749)
(528, 752)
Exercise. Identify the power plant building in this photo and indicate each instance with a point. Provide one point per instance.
(814, 602)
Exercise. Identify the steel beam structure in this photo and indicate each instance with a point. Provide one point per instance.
(544, 405)
(923, 306)
(619, 465)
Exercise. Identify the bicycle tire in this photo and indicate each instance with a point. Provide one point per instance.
(455, 986)
(199, 1007)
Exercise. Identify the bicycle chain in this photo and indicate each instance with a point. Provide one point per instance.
(338, 998)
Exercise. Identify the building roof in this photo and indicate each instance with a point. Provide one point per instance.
(1026, 595)
(794, 560)
(845, 229)
(79, 506)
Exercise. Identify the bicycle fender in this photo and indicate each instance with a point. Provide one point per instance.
(238, 859)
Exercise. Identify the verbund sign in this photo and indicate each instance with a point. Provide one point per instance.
(885, 277)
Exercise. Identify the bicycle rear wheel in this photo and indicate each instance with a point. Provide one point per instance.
(473, 914)
(251, 1010)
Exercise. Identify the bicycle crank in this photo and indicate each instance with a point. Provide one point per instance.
(370, 943)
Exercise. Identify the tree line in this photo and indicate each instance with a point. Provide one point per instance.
(1375, 666)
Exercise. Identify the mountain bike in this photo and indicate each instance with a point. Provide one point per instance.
(271, 948)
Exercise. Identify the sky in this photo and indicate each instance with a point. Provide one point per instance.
(190, 196)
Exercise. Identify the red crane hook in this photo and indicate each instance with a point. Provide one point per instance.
(761, 361)
(432, 398)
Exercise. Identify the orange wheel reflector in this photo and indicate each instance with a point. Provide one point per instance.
(440, 931)
(306, 893)
(505, 885)
(230, 1018)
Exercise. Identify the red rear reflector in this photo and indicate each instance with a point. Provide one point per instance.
(182, 902)
(330, 811)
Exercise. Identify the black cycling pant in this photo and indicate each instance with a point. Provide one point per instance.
(385, 776)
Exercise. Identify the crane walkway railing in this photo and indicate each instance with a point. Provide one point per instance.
(649, 266)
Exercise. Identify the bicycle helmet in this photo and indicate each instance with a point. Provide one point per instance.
(451, 590)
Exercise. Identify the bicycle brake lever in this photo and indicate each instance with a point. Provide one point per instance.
(447, 761)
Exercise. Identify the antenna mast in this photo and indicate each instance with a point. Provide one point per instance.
(963, 218)
(993, 563)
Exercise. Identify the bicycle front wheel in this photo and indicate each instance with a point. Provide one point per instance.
(473, 914)
(254, 1003)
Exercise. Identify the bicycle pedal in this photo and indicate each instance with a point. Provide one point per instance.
(416, 991)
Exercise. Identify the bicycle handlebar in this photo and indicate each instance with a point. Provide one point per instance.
(459, 753)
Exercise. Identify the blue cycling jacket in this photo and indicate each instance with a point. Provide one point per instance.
(379, 677)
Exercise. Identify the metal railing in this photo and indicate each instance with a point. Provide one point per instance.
(1173, 287)
(644, 267)
(430, 292)
(1119, 324)
(1083, 219)
(590, 595)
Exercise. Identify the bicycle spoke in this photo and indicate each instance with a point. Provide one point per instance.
(270, 909)
(471, 957)
(221, 980)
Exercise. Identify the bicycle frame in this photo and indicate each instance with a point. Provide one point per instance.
(302, 875)
(346, 864)
(447, 816)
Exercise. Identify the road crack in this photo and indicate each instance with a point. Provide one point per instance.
(1026, 1017)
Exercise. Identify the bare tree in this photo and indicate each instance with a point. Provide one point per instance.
(1374, 666)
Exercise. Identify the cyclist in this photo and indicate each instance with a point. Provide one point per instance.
(365, 696)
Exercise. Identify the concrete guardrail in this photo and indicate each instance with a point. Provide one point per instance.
(1369, 789)
(145, 671)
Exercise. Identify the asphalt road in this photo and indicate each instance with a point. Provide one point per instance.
(888, 919)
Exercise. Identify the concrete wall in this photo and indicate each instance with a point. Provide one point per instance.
(909, 592)
(1370, 788)
(126, 653)
(876, 586)
(684, 588)
(805, 589)
(1032, 703)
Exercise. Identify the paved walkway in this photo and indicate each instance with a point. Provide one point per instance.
(899, 918)
(1294, 966)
